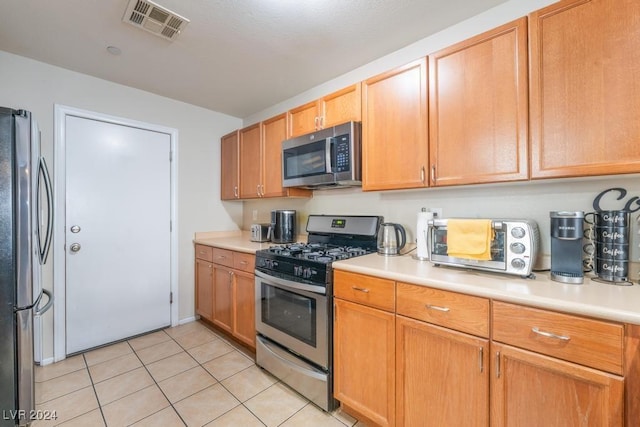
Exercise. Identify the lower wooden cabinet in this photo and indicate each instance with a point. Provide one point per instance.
(364, 361)
(442, 376)
(530, 389)
(204, 288)
(225, 291)
(410, 355)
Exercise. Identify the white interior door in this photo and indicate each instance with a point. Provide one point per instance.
(117, 232)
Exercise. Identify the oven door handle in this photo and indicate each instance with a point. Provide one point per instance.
(308, 372)
(290, 284)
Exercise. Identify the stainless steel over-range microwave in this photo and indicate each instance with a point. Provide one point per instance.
(323, 159)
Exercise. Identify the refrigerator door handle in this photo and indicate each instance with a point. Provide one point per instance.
(40, 311)
(43, 250)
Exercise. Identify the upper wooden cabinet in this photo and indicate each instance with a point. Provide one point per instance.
(339, 107)
(260, 160)
(478, 108)
(229, 167)
(251, 162)
(585, 64)
(394, 129)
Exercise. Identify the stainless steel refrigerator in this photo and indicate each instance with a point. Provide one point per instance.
(25, 237)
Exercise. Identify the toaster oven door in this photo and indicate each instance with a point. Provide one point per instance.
(439, 250)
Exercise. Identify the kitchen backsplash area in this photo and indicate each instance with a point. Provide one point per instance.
(531, 199)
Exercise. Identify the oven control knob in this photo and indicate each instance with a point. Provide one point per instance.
(517, 248)
(518, 232)
(307, 273)
(297, 270)
(518, 263)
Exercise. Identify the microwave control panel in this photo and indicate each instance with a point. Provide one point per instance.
(342, 153)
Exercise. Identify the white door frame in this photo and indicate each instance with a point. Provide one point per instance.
(59, 207)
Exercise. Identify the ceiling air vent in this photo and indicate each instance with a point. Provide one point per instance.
(155, 19)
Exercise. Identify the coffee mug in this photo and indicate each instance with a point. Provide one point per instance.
(613, 251)
(609, 235)
(607, 218)
(612, 270)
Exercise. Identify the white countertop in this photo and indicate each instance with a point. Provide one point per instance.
(594, 299)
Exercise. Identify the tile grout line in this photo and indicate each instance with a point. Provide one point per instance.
(93, 386)
(158, 385)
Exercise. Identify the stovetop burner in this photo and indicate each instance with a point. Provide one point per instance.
(330, 238)
(318, 251)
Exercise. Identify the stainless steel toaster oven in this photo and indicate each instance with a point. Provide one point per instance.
(514, 247)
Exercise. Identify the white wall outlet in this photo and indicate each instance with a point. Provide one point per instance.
(437, 212)
(255, 215)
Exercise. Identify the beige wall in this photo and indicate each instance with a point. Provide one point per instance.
(36, 87)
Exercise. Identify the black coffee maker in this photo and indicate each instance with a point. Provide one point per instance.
(567, 229)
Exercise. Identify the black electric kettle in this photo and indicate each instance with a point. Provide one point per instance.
(391, 238)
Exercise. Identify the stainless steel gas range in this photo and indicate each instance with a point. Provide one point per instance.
(294, 302)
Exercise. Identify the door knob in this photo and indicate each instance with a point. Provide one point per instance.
(75, 247)
(75, 228)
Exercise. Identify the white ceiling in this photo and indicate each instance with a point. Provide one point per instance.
(235, 56)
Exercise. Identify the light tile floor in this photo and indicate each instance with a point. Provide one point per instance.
(187, 375)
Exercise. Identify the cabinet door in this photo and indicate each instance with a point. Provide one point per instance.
(274, 131)
(244, 305)
(223, 297)
(342, 106)
(303, 119)
(478, 108)
(204, 289)
(394, 129)
(529, 389)
(229, 167)
(442, 376)
(364, 361)
(585, 64)
(250, 162)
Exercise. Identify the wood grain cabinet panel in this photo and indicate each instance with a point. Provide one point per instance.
(589, 342)
(251, 162)
(585, 64)
(478, 108)
(367, 290)
(204, 288)
(442, 376)
(338, 107)
(364, 361)
(230, 166)
(394, 129)
(530, 389)
(451, 310)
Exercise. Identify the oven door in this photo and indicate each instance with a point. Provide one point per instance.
(294, 317)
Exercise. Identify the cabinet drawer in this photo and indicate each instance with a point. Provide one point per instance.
(452, 310)
(367, 290)
(223, 257)
(589, 342)
(204, 252)
(244, 262)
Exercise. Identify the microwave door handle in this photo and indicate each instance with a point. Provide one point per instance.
(328, 152)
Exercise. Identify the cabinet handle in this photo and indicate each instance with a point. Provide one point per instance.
(202, 252)
(438, 308)
(258, 190)
(355, 288)
(321, 122)
(243, 262)
(315, 122)
(221, 257)
(481, 359)
(433, 173)
(550, 334)
(261, 190)
(497, 364)
(235, 191)
(422, 174)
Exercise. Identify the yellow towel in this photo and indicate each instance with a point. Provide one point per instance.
(469, 238)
